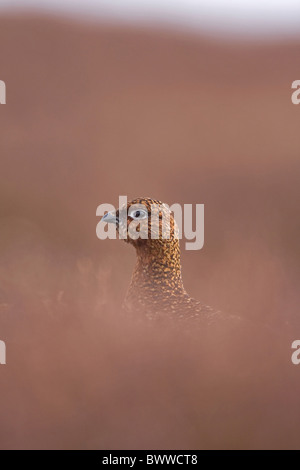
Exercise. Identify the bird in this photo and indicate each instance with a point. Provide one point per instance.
(156, 285)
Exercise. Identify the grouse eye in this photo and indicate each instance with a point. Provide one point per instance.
(138, 214)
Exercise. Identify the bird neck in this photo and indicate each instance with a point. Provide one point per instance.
(157, 272)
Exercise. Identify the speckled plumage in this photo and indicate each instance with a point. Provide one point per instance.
(156, 285)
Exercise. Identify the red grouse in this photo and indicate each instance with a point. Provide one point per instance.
(156, 285)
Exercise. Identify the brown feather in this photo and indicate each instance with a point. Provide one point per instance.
(156, 285)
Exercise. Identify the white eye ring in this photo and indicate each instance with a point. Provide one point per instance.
(138, 214)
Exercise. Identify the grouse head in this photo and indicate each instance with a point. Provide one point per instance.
(145, 223)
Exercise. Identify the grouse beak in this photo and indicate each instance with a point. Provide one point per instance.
(110, 218)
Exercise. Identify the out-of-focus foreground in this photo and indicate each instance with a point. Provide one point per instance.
(93, 112)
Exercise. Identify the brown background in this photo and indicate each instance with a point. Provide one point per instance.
(94, 112)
